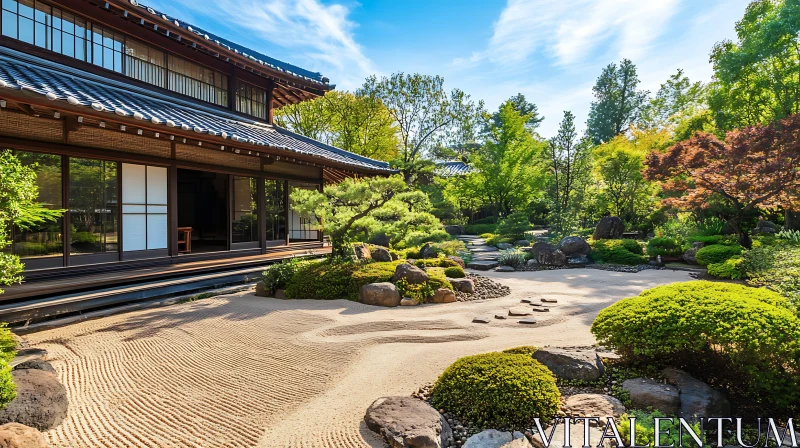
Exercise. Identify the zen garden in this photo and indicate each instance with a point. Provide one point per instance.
(482, 285)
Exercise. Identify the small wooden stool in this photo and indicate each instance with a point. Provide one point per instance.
(185, 238)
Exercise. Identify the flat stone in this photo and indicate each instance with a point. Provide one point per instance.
(526, 301)
(492, 438)
(540, 309)
(539, 304)
(36, 364)
(545, 300)
(28, 354)
(500, 316)
(484, 265)
(504, 269)
(407, 422)
(528, 321)
(519, 311)
(698, 399)
(571, 364)
(481, 320)
(646, 393)
(408, 301)
(596, 405)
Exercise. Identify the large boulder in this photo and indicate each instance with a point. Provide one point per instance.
(698, 399)
(690, 256)
(609, 228)
(548, 255)
(504, 246)
(37, 364)
(380, 294)
(454, 230)
(411, 273)
(578, 260)
(407, 422)
(362, 252)
(41, 400)
(573, 246)
(571, 364)
(15, 435)
(646, 393)
(381, 254)
(766, 226)
(492, 438)
(443, 295)
(463, 284)
(380, 239)
(595, 405)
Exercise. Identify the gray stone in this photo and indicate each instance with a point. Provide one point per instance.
(526, 301)
(595, 405)
(519, 311)
(547, 254)
(522, 243)
(504, 246)
(500, 316)
(532, 262)
(41, 400)
(646, 393)
(763, 224)
(380, 294)
(483, 265)
(380, 239)
(458, 260)
(540, 309)
(528, 321)
(463, 284)
(408, 301)
(574, 245)
(698, 399)
(481, 319)
(28, 354)
(549, 300)
(609, 228)
(443, 295)
(427, 251)
(504, 269)
(571, 364)
(36, 364)
(690, 256)
(454, 230)
(492, 438)
(362, 252)
(261, 290)
(578, 260)
(15, 435)
(407, 422)
(412, 274)
(381, 254)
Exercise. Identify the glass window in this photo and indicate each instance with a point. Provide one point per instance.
(93, 204)
(300, 228)
(275, 191)
(196, 81)
(48, 27)
(251, 100)
(245, 214)
(107, 48)
(43, 239)
(144, 63)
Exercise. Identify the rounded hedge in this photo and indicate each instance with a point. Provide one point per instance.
(497, 390)
(454, 272)
(664, 246)
(754, 332)
(732, 268)
(717, 253)
(627, 252)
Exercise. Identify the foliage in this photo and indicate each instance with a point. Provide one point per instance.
(8, 390)
(337, 278)
(523, 107)
(18, 207)
(625, 252)
(497, 239)
(436, 263)
(753, 334)
(479, 229)
(8, 345)
(617, 103)
(278, 275)
(645, 429)
(528, 350)
(792, 236)
(454, 272)
(514, 225)
(569, 159)
(717, 253)
(437, 279)
(664, 246)
(512, 257)
(731, 268)
(677, 101)
(420, 292)
(755, 167)
(425, 115)
(451, 247)
(358, 123)
(776, 267)
(710, 227)
(497, 390)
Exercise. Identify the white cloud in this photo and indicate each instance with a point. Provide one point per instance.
(321, 34)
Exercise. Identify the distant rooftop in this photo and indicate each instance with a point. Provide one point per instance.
(453, 168)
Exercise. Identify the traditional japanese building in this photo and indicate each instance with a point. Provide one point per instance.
(156, 137)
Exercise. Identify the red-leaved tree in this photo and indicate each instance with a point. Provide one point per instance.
(756, 167)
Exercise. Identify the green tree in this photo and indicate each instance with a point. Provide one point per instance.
(427, 117)
(507, 170)
(523, 107)
(618, 102)
(569, 160)
(358, 123)
(757, 77)
(18, 207)
(676, 100)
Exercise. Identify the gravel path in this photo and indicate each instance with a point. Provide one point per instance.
(245, 371)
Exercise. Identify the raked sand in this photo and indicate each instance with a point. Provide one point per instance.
(246, 371)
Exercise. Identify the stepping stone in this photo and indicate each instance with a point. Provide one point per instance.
(527, 301)
(527, 321)
(500, 316)
(519, 311)
(542, 309)
(481, 320)
(504, 269)
(537, 304)
(482, 265)
(549, 300)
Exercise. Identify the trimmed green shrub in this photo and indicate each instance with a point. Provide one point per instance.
(337, 279)
(512, 257)
(478, 229)
(664, 246)
(420, 292)
(487, 235)
(497, 390)
(523, 350)
(277, 276)
(375, 272)
(435, 263)
(617, 252)
(645, 430)
(776, 267)
(8, 345)
(454, 272)
(437, 279)
(731, 268)
(717, 253)
(514, 225)
(744, 339)
(29, 249)
(497, 239)
(8, 390)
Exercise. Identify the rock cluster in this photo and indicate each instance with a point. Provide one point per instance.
(407, 422)
(583, 365)
(609, 228)
(485, 288)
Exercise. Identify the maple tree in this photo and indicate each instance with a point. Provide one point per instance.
(755, 167)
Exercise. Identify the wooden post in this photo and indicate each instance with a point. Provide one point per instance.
(261, 209)
(172, 209)
(286, 212)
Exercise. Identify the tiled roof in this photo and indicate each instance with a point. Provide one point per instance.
(455, 168)
(79, 88)
(253, 55)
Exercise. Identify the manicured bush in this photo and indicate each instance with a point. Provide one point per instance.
(8, 345)
(420, 238)
(454, 272)
(514, 225)
(478, 229)
(512, 257)
(420, 292)
(497, 390)
(731, 268)
(437, 279)
(664, 246)
(626, 252)
(522, 350)
(717, 253)
(435, 263)
(487, 235)
(277, 276)
(29, 249)
(375, 272)
(497, 239)
(8, 350)
(751, 336)
(327, 280)
(776, 267)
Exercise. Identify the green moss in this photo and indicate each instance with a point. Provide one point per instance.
(435, 263)
(454, 272)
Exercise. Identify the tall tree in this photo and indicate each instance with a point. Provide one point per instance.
(523, 107)
(756, 167)
(618, 102)
(427, 117)
(569, 170)
(676, 100)
(757, 78)
(356, 123)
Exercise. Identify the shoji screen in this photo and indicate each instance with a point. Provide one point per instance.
(144, 207)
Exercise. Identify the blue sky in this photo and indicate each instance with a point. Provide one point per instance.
(550, 50)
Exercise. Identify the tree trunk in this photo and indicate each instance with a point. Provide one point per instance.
(744, 238)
